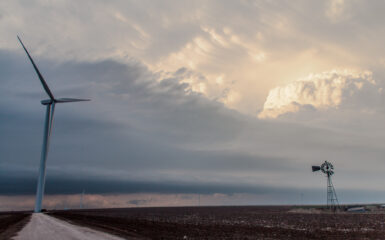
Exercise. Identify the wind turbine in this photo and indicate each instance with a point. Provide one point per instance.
(50, 109)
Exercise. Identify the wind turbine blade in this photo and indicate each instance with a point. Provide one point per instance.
(51, 119)
(45, 86)
(64, 100)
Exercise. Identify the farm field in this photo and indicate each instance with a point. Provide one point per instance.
(242, 222)
(11, 223)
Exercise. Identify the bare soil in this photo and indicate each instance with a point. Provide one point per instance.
(228, 223)
(12, 223)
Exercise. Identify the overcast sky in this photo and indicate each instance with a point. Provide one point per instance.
(233, 100)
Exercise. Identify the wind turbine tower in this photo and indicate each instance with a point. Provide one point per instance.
(50, 109)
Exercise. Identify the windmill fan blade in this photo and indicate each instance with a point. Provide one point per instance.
(315, 168)
(64, 100)
(45, 86)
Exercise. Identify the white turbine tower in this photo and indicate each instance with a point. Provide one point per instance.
(50, 103)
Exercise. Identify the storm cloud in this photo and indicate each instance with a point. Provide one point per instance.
(178, 94)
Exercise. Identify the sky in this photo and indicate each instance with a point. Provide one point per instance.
(193, 102)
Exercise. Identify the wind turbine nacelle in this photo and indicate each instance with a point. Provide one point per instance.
(315, 168)
(47, 102)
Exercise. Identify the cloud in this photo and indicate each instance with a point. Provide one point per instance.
(336, 89)
(175, 87)
(142, 130)
(136, 127)
(234, 60)
(335, 9)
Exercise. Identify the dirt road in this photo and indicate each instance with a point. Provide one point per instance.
(42, 226)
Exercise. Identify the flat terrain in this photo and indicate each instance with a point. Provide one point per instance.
(11, 223)
(229, 223)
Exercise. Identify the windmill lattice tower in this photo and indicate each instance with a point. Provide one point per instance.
(328, 169)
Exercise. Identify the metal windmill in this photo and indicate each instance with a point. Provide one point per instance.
(328, 169)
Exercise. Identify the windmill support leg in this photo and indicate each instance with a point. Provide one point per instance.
(329, 193)
(44, 153)
(332, 200)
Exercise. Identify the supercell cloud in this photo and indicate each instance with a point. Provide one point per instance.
(233, 100)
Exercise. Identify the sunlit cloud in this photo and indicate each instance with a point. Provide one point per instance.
(320, 92)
